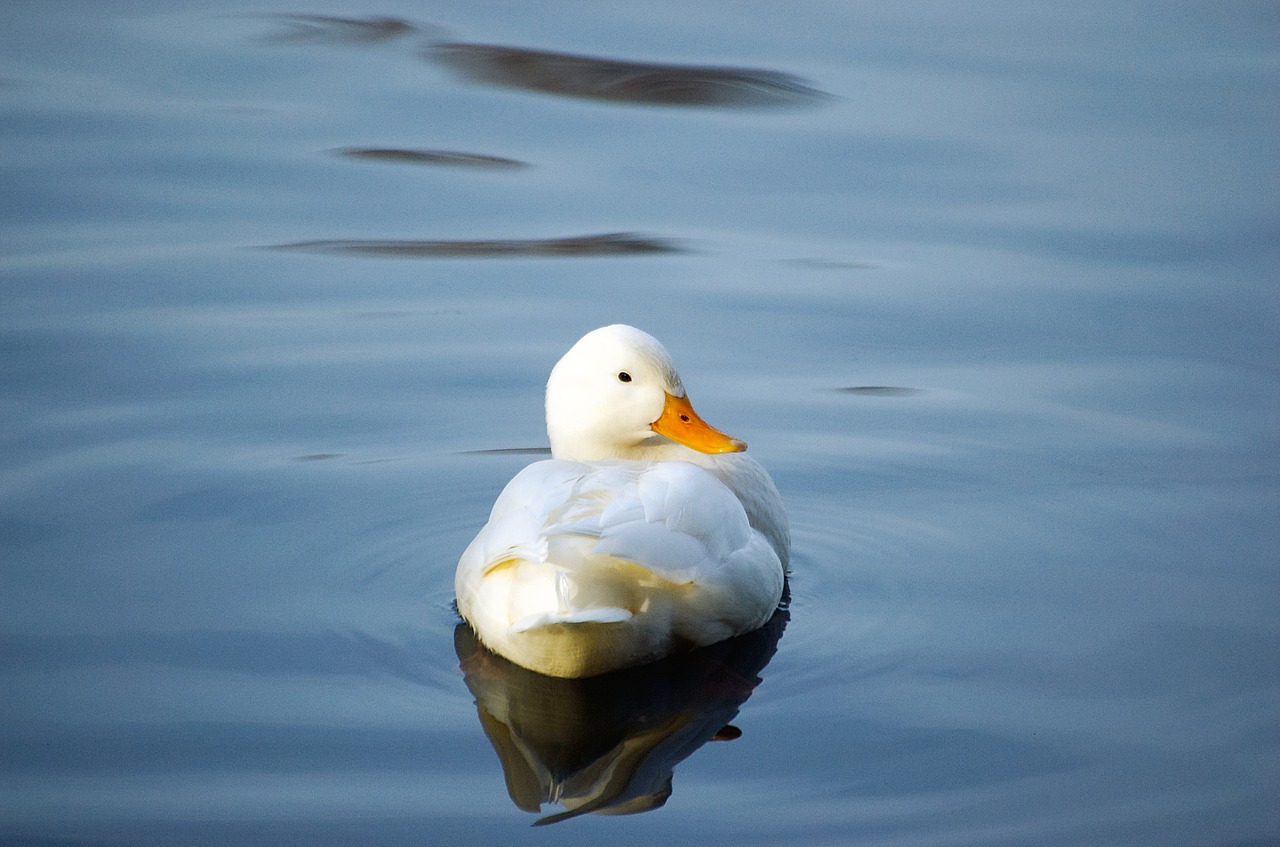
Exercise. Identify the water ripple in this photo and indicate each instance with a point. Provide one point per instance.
(568, 74)
(882, 390)
(335, 30)
(449, 158)
(851, 591)
(611, 244)
(571, 75)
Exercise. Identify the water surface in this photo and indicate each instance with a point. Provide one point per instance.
(991, 295)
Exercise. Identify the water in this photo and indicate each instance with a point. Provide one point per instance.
(991, 294)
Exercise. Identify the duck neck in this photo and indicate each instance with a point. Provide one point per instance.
(655, 448)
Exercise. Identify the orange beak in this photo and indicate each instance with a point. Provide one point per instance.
(681, 424)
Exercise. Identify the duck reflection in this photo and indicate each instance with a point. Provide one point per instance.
(608, 744)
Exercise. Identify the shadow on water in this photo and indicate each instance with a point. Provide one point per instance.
(608, 744)
(568, 74)
(612, 244)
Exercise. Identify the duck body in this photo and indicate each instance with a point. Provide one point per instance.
(628, 545)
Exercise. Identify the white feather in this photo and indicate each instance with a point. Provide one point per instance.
(588, 566)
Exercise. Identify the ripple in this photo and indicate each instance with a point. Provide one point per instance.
(508, 451)
(882, 391)
(851, 591)
(831, 264)
(611, 244)
(567, 74)
(594, 78)
(335, 30)
(448, 158)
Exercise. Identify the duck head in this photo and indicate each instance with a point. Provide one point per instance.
(616, 395)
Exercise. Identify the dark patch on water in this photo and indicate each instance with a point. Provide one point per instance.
(335, 30)
(613, 244)
(570, 75)
(448, 158)
(882, 391)
(508, 451)
(830, 265)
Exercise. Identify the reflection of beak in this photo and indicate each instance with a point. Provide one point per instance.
(681, 424)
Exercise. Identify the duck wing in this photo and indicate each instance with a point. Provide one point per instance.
(673, 519)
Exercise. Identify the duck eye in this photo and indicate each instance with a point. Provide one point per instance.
(624, 377)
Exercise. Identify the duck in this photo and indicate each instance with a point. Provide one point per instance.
(647, 533)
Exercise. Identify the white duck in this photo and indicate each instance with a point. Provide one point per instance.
(647, 533)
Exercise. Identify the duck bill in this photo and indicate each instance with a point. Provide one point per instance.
(681, 424)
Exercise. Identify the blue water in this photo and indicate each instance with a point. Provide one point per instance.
(991, 292)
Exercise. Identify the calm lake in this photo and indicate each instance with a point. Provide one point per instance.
(991, 290)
